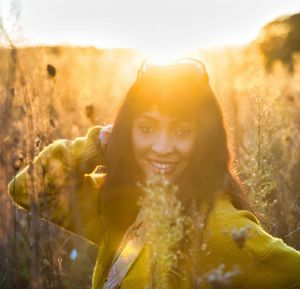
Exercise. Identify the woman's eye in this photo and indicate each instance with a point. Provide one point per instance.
(183, 131)
(146, 129)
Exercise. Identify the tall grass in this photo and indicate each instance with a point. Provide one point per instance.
(59, 92)
(262, 111)
(38, 105)
(164, 228)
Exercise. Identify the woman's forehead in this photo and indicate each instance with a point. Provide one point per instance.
(154, 114)
(176, 99)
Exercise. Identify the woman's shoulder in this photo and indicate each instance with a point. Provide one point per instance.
(224, 209)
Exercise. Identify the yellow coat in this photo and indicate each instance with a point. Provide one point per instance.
(67, 189)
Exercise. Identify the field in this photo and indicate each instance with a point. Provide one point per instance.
(47, 93)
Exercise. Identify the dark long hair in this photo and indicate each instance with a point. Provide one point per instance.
(181, 90)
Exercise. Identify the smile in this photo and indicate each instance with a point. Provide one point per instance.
(163, 167)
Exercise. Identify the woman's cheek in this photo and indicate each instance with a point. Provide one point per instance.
(145, 142)
(142, 145)
(185, 147)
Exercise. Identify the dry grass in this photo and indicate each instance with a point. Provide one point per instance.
(59, 92)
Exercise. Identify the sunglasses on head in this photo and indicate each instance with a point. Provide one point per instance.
(192, 62)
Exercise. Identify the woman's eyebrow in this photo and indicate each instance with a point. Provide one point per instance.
(183, 122)
(147, 118)
(173, 122)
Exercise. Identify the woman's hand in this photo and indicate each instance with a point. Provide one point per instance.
(105, 134)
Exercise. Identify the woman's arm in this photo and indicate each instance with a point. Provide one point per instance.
(274, 264)
(257, 259)
(61, 185)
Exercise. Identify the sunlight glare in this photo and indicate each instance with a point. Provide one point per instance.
(162, 55)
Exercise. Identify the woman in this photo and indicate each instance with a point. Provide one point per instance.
(170, 125)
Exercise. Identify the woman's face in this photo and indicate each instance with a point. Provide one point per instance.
(162, 144)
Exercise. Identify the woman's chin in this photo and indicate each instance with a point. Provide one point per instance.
(160, 178)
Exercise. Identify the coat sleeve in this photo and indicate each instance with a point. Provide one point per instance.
(60, 185)
(258, 260)
(273, 263)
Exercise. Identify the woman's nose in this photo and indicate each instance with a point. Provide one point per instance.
(162, 144)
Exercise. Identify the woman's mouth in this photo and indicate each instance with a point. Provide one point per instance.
(163, 167)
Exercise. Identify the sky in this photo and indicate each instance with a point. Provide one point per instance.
(153, 26)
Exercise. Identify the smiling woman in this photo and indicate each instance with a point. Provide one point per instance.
(169, 127)
(162, 144)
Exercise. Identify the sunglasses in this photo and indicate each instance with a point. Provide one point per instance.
(184, 62)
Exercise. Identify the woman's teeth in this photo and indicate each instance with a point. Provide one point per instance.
(163, 167)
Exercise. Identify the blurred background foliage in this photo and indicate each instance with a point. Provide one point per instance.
(48, 93)
(280, 40)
